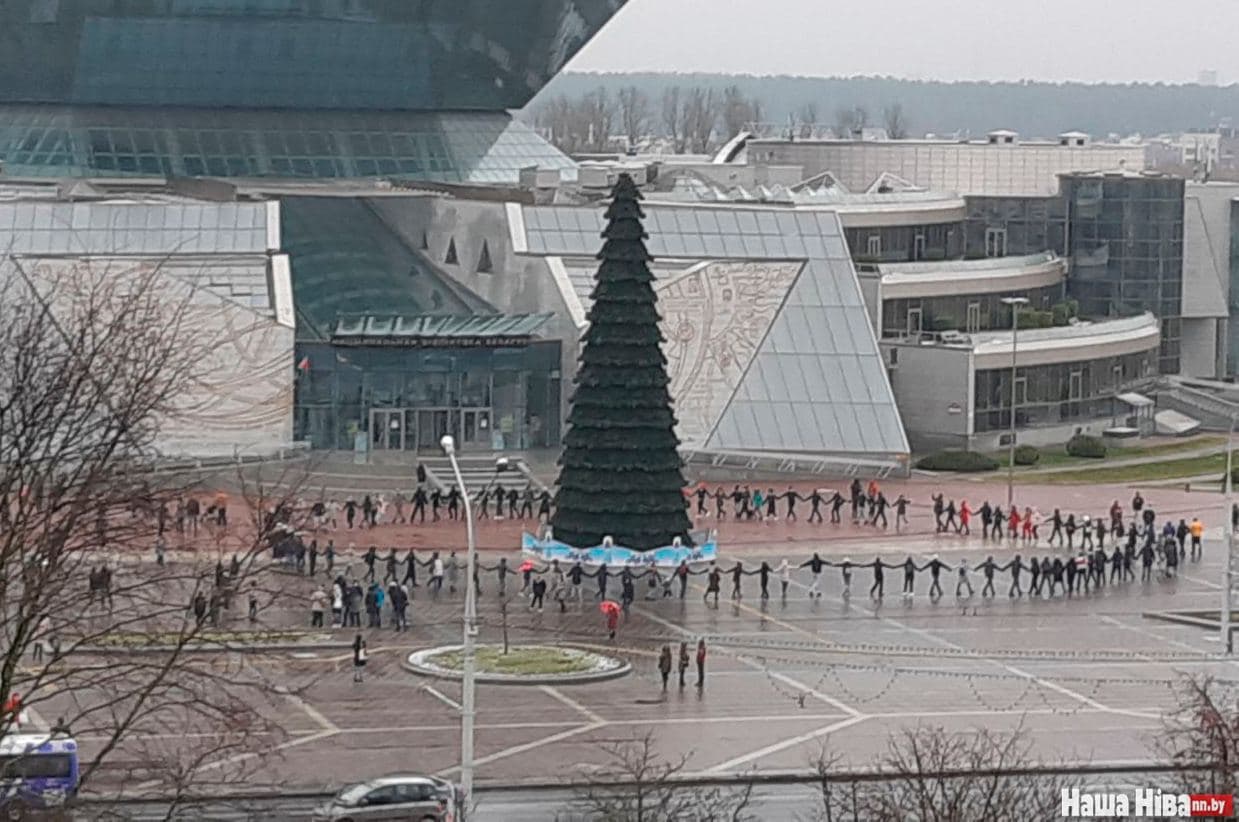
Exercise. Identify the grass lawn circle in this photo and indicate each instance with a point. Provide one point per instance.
(523, 664)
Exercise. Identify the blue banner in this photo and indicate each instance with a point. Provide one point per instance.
(669, 556)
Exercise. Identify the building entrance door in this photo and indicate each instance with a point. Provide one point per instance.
(475, 433)
(470, 427)
(432, 425)
(387, 429)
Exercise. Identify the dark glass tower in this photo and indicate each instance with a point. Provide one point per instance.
(1126, 245)
(278, 87)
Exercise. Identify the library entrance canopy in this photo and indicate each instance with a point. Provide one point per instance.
(439, 331)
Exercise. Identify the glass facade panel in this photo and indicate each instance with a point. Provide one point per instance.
(899, 244)
(481, 147)
(345, 54)
(950, 313)
(1052, 397)
(346, 260)
(1127, 242)
(489, 399)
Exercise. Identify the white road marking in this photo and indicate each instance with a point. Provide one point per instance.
(312, 712)
(571, 703)
(442, 697)
(732, 764)
(245, 757)
(528, 746)
(1042, 682)
(847, 709)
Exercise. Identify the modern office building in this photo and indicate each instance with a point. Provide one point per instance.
(1000, 164)
(947, 341)
(1123, 232)
(955, 390)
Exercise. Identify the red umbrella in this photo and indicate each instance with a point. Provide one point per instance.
(526, 566)
(609, 607)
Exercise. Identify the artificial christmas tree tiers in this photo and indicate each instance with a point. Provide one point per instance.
(620, 473)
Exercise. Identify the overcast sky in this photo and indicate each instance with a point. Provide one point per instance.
(1089, 40)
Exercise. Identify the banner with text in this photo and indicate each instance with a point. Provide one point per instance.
(669, 556)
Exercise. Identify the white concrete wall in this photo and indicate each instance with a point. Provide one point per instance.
(1199, 351)
(933, 389)
(238, 395)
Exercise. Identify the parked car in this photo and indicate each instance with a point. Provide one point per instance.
(417, 798)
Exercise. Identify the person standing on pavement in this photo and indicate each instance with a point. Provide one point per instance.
(701, 664)
(879, 579)
(558, 594)
(713, 583)
(963, 581)
(1015, 566)
(1197, 530)
(602, 574)
(664, 665)
(909, 577)
(814, 564)
(574, 577)
(988, 568)
(337, 603)
(681, 573)
(318, 603)
(453, 572)
(785, 577)
(399, 607)
(410, 571)
(539, 592)
(359, 658)
(389, 573)
(764, 573)
(935, 569)
(683, 662)
(436, 573)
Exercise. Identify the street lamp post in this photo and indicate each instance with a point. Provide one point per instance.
(1015, 303)
(1229, 580)
(468, 663)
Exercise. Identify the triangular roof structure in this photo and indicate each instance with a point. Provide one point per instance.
(888, 182)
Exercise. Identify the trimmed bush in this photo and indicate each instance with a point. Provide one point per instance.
(957, 461)
(1027, 455)
(1082, 445)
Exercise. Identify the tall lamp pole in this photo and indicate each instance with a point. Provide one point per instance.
(1014, 303)
(1229, 581)
(468, 663)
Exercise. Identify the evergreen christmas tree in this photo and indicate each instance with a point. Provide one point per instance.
(620, 471)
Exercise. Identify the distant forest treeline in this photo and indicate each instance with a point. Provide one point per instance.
(1034, 109)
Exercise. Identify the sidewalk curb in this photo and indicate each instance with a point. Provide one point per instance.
(411, 664)
(216, 648)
